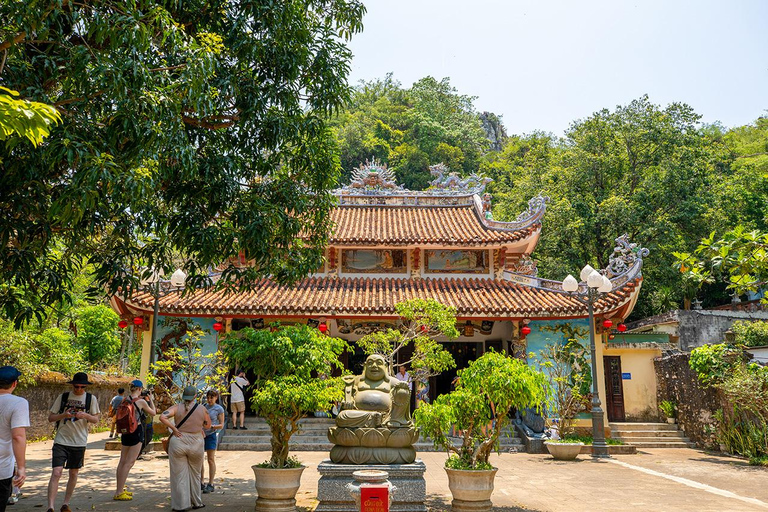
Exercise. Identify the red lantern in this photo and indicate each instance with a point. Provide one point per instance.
(138, 320)
(607, 324)
(611, 336)
(525, 330)
(424, 328)
(217, 326)
(122, 324)
(622, 327)
(323, 328)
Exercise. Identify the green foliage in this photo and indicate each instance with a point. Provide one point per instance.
(22, 119)
(57, 349)
(97, 334)
(668, 408)
(18, 348)
(566, 379)
(410, 129)
(455, 462)
(422, 320)
(713, 364)
(587, 440)
(493, 382)
(751, 334)
(191, 133)
(290, 463)
(287, 362)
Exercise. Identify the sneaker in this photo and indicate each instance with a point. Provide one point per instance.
(243, 428)
(65, 508)
(234, 427)
(210, 488)
(204, 488)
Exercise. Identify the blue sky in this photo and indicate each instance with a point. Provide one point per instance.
(544, 64)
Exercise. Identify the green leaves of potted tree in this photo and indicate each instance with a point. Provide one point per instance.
(566, 366)
(668, 409)
(489, 387)
(287, 363)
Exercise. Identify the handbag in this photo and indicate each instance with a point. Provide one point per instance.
(166, 440)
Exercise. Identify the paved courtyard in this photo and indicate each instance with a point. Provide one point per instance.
(658, 480)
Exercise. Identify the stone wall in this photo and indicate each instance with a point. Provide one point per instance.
(50, 385)
(696, 405)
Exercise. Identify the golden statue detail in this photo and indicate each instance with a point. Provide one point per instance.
(374, 425)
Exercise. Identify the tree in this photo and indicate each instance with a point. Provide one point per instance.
(190, 134)
(22, 119)
(97, 334)
(422, 320)
(640, 169)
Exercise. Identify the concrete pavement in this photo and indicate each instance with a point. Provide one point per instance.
(655, 479)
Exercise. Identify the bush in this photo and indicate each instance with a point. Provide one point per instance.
(751, 334)
(97, 334)
(17, 348)
(55, 349)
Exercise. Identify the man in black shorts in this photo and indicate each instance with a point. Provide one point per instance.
(72, 412)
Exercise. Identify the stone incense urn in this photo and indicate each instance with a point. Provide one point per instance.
(374, 425)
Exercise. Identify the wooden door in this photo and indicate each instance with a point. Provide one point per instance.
(614, 388)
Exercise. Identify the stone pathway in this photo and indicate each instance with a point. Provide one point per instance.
(658, 480)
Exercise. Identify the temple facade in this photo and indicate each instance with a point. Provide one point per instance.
(390, 244)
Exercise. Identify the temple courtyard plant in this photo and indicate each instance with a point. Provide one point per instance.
(286, 362)
(485, 392)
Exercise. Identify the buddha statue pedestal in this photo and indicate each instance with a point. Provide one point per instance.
(374, 431)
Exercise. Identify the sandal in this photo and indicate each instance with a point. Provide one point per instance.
(123, 496)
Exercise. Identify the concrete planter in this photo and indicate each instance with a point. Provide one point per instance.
(671, 421)
(277, 488)
(471, 490)
(564, 451)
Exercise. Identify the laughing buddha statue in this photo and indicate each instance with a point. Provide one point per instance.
(374, 425)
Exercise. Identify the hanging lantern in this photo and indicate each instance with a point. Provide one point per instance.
(138, 320)
(607, 324)
(323, 327)
(424, 328)
(218, 326)
(622, 327)
(122, 324)
(611, 336)
(525, 330)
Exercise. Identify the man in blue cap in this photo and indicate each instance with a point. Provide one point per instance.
(72, 412)
(14, 420)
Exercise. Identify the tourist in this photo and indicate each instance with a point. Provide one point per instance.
(113, 405)
(14, 420)
(216, 413)
(72, 412)
(237, 399)
(186, 450)
(129, 422)
(148, 424)
(404, 376)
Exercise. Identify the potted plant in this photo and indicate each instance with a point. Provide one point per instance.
(566, 399)
(479, 406)
(669, 409)
(286, 362)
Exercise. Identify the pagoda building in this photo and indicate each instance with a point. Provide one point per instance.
(390, 244)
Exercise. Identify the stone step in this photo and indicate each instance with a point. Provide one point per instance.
(650, 444)
(646, 433)
(651, 439)
(643, 426)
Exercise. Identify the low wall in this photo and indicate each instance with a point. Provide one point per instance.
(50, 385)
(696, 405)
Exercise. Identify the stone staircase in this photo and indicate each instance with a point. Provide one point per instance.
(651, 435)
(313, 437)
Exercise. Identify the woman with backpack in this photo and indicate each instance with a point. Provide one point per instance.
(186, 449)
(128, 421)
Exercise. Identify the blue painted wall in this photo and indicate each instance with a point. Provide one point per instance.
(547, 332)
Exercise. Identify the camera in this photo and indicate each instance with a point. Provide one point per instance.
(145, 392)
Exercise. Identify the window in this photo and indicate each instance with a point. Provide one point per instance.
(393, 261)
(456, 262)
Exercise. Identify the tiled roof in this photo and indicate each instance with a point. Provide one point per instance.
(323, 296)
(411, 225)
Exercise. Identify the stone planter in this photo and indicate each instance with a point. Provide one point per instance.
(277, 488)
(564, 451)
(471, 490)
(671, 421)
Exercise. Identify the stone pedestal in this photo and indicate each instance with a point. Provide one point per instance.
(333, 495)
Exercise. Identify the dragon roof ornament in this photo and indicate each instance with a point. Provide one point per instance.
(450, 183)
(536, 204)
(625, 256)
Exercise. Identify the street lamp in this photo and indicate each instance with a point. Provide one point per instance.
(597, 285)
(152, 284)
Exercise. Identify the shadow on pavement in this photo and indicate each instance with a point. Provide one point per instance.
(441, 503)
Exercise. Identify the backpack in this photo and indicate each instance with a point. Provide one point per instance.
(65, 399)
(126, 421)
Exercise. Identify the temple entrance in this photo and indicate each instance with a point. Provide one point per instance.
(462, 353)
(614, 388)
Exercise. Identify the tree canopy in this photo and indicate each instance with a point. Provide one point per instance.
(191, 133)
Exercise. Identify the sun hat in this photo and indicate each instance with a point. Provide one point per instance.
(80, 378)
(190, 392)
(9, 375)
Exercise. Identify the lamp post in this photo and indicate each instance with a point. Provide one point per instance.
(152, 284)
(597, 285)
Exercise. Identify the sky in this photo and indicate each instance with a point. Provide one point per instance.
(543, 64)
